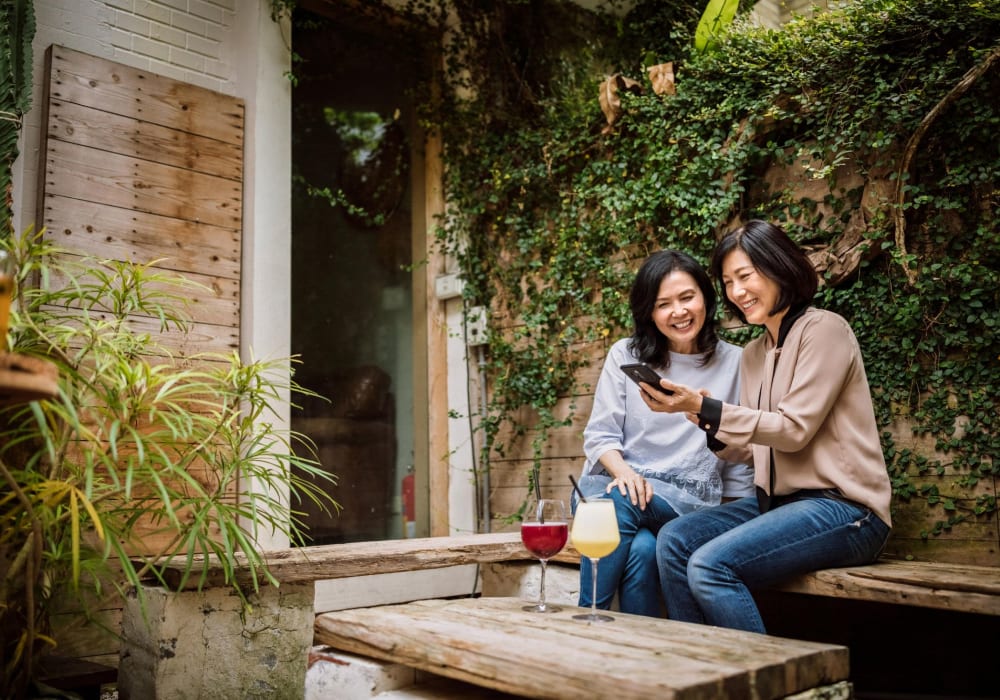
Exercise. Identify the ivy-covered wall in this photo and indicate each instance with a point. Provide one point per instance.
(869, 133)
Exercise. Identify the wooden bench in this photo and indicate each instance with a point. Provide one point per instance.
(942, 586)
(182, 643)
(954, 587)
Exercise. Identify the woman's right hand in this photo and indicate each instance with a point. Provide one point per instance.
(637, 488)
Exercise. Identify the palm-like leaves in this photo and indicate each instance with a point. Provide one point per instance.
(142, 459)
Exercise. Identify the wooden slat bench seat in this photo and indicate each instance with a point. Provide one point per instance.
(493, 643)
(955, 587)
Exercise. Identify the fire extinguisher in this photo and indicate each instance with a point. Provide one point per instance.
(409, 503)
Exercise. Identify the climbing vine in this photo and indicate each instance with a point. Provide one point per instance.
(868, 132)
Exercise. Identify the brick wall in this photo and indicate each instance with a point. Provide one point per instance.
(180, 39)
(194, 41)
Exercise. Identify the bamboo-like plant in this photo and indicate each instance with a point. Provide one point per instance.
(138, 447)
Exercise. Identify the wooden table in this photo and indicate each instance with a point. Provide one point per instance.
(492, 643)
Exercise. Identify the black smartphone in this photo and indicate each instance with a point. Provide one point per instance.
(641, 372)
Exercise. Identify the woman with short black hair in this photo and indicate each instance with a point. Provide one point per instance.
(806, 422)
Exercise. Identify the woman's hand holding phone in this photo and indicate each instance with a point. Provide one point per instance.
(640, 372)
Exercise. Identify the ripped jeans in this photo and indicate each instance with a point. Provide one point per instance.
(710, 560)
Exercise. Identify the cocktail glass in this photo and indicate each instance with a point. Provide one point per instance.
(595, 535)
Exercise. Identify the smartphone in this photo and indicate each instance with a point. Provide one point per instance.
(641, 372)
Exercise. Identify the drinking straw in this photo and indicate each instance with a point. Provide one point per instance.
(578, 491)
(538, 496)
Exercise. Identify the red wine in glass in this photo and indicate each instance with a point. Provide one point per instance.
(544, 540)
(544, 532)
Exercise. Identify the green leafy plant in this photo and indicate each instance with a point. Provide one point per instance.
(550, 214)
(17, 29)
(718, 15)
(141, 460)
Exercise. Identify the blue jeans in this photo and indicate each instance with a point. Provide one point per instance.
(710, 560)
(630, 570)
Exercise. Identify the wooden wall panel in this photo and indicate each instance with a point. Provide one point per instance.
(140, 95)
(93, 228)
(94, 128)
(128, 183)
(143, 168)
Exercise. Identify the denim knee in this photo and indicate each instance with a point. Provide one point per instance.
(643, 545)
(670, 545)
(700, 576)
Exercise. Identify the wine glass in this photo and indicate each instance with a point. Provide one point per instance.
(595, 534)
(544, 531)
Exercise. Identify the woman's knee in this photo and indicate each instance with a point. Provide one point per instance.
(701, 572)
(672, 541)
(644, 545)
(628, 515)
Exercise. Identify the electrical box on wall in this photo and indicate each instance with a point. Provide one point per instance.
(475, 326)
(448, 286)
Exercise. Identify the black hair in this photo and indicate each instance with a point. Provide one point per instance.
(774, 255)
(647, 342)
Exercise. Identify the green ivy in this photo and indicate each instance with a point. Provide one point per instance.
(550, 211)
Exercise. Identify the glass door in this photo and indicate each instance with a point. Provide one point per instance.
(352, 288)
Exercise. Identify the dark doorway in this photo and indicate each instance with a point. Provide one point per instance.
(352, 292)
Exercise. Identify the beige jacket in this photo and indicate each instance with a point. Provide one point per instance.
(814, 409)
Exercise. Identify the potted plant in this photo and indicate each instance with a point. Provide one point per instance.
(137, 447)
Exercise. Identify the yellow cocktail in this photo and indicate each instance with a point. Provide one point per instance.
(595, 528)
(595, 535)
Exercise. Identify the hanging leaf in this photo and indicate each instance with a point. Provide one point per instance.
(718, 15)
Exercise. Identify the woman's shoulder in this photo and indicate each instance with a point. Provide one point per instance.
(824, 321)
(726, 349)
(620, 353)
(620, 348)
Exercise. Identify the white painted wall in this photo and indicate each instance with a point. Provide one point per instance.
(232, 47)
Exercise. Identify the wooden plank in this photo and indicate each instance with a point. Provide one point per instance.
(199, 338)
(364, 558)
(491, 642)
(77, 636)
(955, 587)
(515, 437)
(552, 473)
(94, 82)
(104, 131)
(946, 551)
(206, 300)
(504, 502)
(104, 231)
(87, 174)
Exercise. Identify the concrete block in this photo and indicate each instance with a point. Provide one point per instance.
(336, 674)
(207, 646)
(523, 579)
